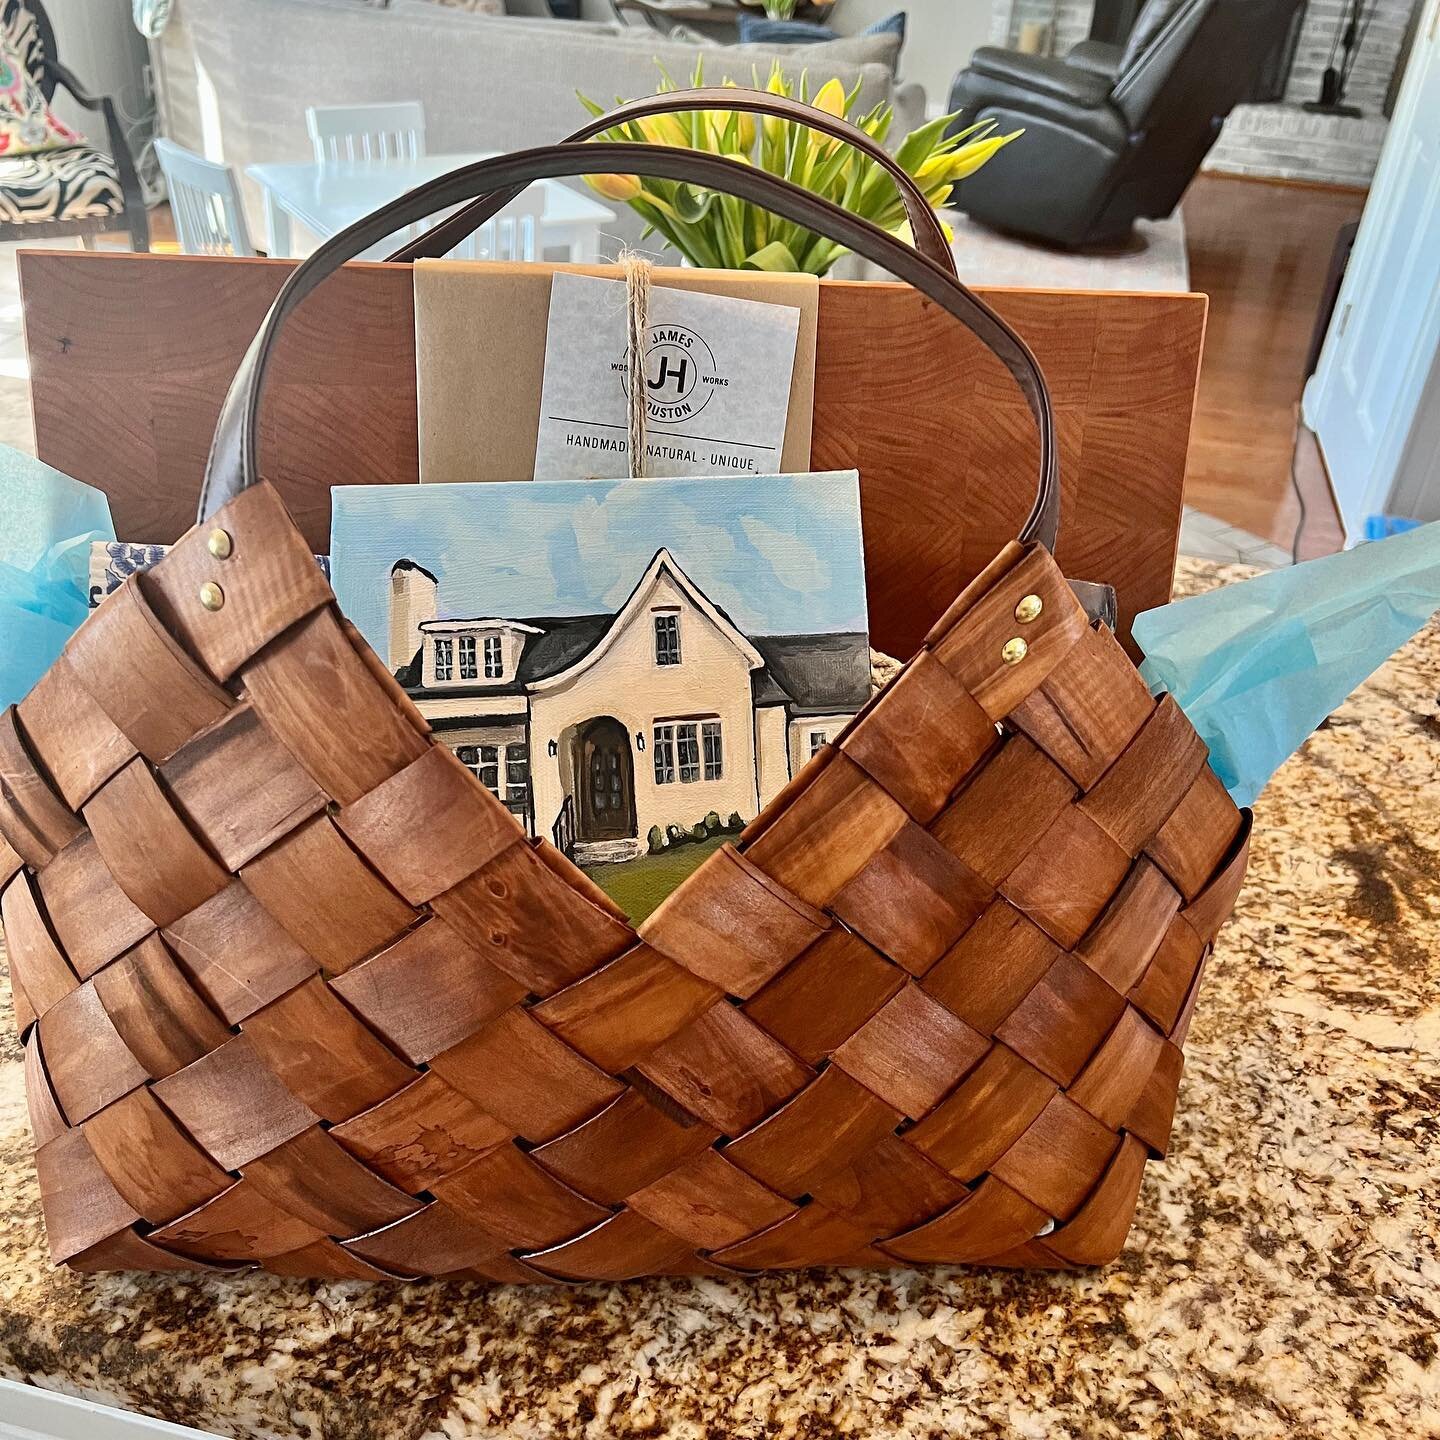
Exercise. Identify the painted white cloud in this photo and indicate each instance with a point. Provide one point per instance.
(796, 563)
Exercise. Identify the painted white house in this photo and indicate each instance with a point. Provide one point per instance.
(594, 728)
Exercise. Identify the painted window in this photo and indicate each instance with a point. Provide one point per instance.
(467, 658)
(817, 741)
(494, 663)
(687, 753)
(714, 754)
(444, 658)
(517, 774)
(664, 750)
(488, 770)
(484, 760)
(678, 747)
(667, 639)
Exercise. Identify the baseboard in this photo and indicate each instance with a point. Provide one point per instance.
(1322, 530)
(29, 1413)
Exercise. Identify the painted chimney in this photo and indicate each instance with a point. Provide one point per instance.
(414, 598)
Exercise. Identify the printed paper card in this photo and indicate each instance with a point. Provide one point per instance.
(717, 382)
(634, 668)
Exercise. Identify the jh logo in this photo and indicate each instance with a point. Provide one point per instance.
(672, 372)
(680, 373)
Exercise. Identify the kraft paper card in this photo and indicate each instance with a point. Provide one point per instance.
(480, 343)
(715, 387)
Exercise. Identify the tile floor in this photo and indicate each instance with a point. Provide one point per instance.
(1210, 538)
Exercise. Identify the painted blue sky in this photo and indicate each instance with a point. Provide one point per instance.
(781, 554)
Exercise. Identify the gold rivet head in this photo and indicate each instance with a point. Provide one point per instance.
(212, 597)
(219, 544)
(1014, 651)
(1029, 609)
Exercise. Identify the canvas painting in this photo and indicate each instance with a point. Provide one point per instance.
(636, 667)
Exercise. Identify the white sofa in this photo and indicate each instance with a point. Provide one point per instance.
(235, 76)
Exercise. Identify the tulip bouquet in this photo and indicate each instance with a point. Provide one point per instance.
(717, 231)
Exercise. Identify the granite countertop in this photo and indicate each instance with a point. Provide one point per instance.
(1282, 1278)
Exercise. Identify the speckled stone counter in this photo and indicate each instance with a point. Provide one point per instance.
(1282, 1279)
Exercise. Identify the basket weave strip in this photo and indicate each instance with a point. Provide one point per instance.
(295, 989)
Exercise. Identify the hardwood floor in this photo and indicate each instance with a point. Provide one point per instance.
(1261, 251)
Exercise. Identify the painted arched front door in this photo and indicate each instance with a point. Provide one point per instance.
(606, 781)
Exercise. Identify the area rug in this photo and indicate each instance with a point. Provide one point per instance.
(1152, 259)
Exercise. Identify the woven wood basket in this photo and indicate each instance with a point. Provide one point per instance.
(296, 990)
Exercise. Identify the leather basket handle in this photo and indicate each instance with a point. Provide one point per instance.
(925, 225)
(232, 463)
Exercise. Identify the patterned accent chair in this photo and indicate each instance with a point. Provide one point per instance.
(79, 190)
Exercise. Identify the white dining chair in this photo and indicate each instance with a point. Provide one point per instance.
(204, 201)
(516, 233)
(390, 131)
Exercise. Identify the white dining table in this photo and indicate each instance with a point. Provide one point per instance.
(325, 197)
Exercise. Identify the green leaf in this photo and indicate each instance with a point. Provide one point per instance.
(732, 216)
(774, 257)
(692, 204)
(915, 148)
(820, 255)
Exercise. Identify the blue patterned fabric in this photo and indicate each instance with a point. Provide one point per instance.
(890, 25)
(757, 30)
(113, 562)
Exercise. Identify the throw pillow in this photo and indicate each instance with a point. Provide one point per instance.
(844, 50)
(475, 7)
(758, 30)
(26, 123)
(890, 25)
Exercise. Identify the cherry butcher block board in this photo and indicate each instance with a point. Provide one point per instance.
(130, 356)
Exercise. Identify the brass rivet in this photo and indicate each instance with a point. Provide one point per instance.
(212, 597)
(1014, 651)
(219, 544)
(1029, 608)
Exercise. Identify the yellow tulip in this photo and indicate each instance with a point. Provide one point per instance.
(615, 187)
(944, 170)
(776, 85)
(831, 99)
(664, 130)
(969, 158)
(747, 123)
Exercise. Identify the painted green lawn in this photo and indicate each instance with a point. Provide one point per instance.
(638, 886)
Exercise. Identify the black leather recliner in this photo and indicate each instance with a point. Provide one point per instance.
(1112, 135)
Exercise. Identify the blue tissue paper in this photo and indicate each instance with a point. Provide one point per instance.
(47, 521)
(1259, 664)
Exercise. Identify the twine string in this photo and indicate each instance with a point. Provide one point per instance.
(637, 313)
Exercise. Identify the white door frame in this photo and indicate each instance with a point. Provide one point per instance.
(1363, 467)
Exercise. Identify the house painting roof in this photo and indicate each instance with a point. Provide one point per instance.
(814, 674)
(662, 562)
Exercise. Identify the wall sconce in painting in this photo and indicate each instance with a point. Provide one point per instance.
(552, 748)
(639, 740)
